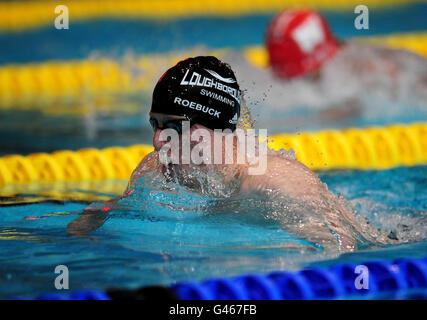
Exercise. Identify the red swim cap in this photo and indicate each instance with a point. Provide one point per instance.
(299, 41)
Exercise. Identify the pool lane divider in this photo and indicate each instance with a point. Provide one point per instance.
(353, 148)
(42, 86)
(399, 279)
(18, 16)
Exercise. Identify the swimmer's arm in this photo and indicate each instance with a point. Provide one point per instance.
(90, 219)
(292, 180)
(347, 109)
(93, 218)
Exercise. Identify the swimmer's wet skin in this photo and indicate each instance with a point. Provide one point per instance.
(316, 213)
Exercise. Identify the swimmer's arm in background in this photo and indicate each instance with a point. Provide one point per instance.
(347, 109)
(402, 68)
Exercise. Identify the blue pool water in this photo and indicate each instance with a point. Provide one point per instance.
(165, 239)
(162, 245)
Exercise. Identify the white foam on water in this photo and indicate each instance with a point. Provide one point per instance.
(361, 81)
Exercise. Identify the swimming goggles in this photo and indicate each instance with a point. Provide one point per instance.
(171, 124)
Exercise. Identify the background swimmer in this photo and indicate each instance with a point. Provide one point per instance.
(294, 195)
(315, 79)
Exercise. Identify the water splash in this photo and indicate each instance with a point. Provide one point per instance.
(194, 190)
(361, 85)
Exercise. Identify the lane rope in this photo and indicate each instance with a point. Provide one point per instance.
(353, 148)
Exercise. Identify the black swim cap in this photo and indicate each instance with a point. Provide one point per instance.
(202, 88)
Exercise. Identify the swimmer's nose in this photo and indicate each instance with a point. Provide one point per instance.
(157, 143)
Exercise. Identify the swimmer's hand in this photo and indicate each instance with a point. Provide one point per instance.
(89, 220)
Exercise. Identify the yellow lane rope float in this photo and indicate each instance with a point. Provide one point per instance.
(82, 85)
(354, 148)
(88, 85)
(22, 15)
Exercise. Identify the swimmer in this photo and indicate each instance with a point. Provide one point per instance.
(310, 211)
(300, 44)
(331, 80)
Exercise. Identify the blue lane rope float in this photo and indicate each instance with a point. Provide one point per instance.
(401, 279)
(393, 279)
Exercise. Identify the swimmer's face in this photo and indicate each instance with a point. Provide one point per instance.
(201, 138)
(160, 122)
(200, 146)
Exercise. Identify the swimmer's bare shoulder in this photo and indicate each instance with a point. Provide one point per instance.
(287, 176)
(148, 163)
(293, 179)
